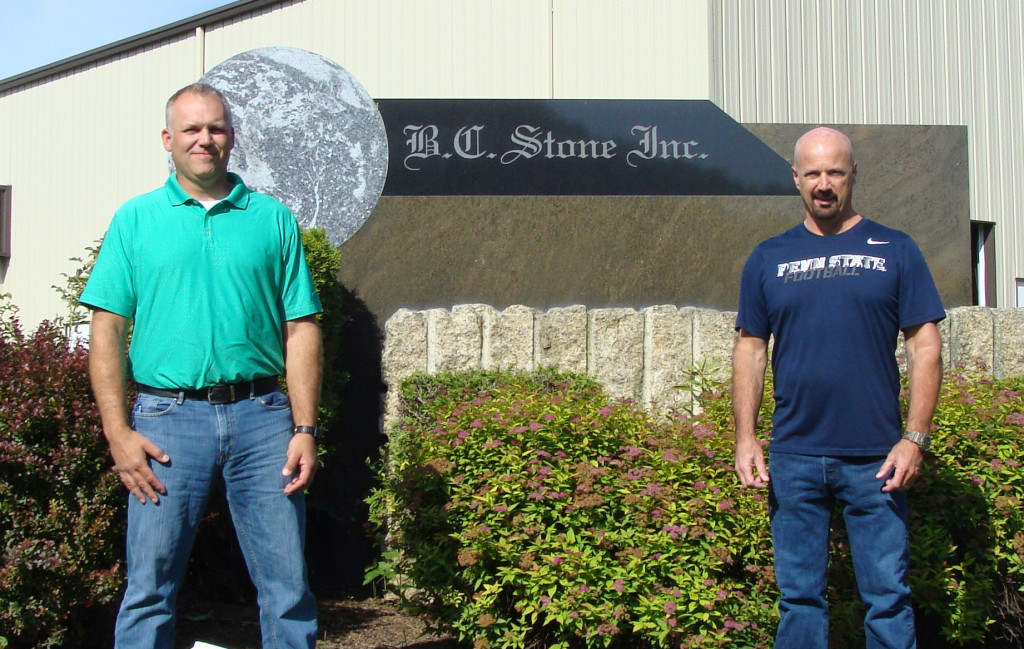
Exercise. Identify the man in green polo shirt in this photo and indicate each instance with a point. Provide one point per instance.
(215, 279)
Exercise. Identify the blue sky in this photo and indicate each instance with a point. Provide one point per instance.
(38, 32)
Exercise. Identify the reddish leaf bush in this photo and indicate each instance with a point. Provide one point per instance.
(60, 507)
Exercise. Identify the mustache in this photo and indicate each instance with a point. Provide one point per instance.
(824, 194)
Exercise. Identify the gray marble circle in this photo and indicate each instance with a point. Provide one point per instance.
(307, 133)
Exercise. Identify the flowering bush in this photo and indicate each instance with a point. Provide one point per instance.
(58, 501)
(967, 516)
(532, 510)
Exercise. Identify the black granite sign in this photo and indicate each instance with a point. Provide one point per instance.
(470, 147)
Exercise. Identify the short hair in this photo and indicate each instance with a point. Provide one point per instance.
(202, 89)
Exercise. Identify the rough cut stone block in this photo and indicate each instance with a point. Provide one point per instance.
(1009, 343)
(508, 339)
(562, 339)
(944, 334)
(405, 345)
(405, 352)
(713, 338)
(668, 354)
(456, 338)
(971, 336)
(616, 351)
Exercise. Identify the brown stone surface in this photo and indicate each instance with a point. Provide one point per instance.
(637, 251)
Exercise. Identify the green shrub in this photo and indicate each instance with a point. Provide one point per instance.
(967, 518)
(523, 510)
(533, 509)
(61, 549)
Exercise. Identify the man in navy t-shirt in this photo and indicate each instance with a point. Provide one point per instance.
(834, 292)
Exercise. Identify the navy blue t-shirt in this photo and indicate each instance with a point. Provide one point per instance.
(836, 305)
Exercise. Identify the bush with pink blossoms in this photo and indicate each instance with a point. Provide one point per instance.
(532, 510)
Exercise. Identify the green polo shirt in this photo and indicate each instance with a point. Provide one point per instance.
(209, 290)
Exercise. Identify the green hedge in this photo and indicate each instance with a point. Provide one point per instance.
(532, 510)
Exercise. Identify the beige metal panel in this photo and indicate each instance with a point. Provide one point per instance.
(75, 147)
(644, 49)
(889, 62)
(396, 48)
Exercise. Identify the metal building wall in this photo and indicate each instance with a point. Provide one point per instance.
(73, 148)
(78, 142)
(946, 62)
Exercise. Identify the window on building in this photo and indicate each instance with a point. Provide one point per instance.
(1020, 292)
(983, 257)
(5, 221)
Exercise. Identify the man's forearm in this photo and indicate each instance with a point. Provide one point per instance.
(107, 369)
(749, 361)
(303, 368)
(924, 375)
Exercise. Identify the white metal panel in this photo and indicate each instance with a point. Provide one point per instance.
(74, 148)
(619, 49)
(890, 62)
(396, 48)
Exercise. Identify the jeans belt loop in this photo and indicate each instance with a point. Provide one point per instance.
(180, 399)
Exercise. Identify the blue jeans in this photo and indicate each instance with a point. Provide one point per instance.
(802, 492)
(245, 442)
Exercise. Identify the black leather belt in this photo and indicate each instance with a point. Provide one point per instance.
(218, 394)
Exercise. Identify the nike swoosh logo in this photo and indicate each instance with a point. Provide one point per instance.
(872, 242)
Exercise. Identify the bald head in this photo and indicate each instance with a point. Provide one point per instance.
(825, 173)
(826, 139)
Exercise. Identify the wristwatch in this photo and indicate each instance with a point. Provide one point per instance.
(315, 431)
(921, 439)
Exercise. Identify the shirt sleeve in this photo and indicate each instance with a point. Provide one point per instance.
(919, 298)
(110, 286)
(298, 292)
(753, 312)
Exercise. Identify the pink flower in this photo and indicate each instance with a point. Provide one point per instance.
(501, 508)
(670, 608)
(619, 585)
(557, 560)
(547, 417)
(477, 424)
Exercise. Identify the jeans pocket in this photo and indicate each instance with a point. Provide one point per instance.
(148, 405)
(276, 400)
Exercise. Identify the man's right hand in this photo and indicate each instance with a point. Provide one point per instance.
(132, 452)
(750, 466)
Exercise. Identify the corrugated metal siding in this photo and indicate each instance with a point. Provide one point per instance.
(428, 48)
(890, 62)
(74, 147)
(77, 144)
(631, 49)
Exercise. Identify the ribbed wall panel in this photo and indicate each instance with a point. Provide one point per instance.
(93, 132)
(88, 139)
(74, 148)
(947, 62)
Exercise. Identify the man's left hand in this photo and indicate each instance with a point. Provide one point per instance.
(301, 455)
(904, 461)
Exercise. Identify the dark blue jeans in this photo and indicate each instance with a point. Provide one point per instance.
(802, 493)
(246, 443)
